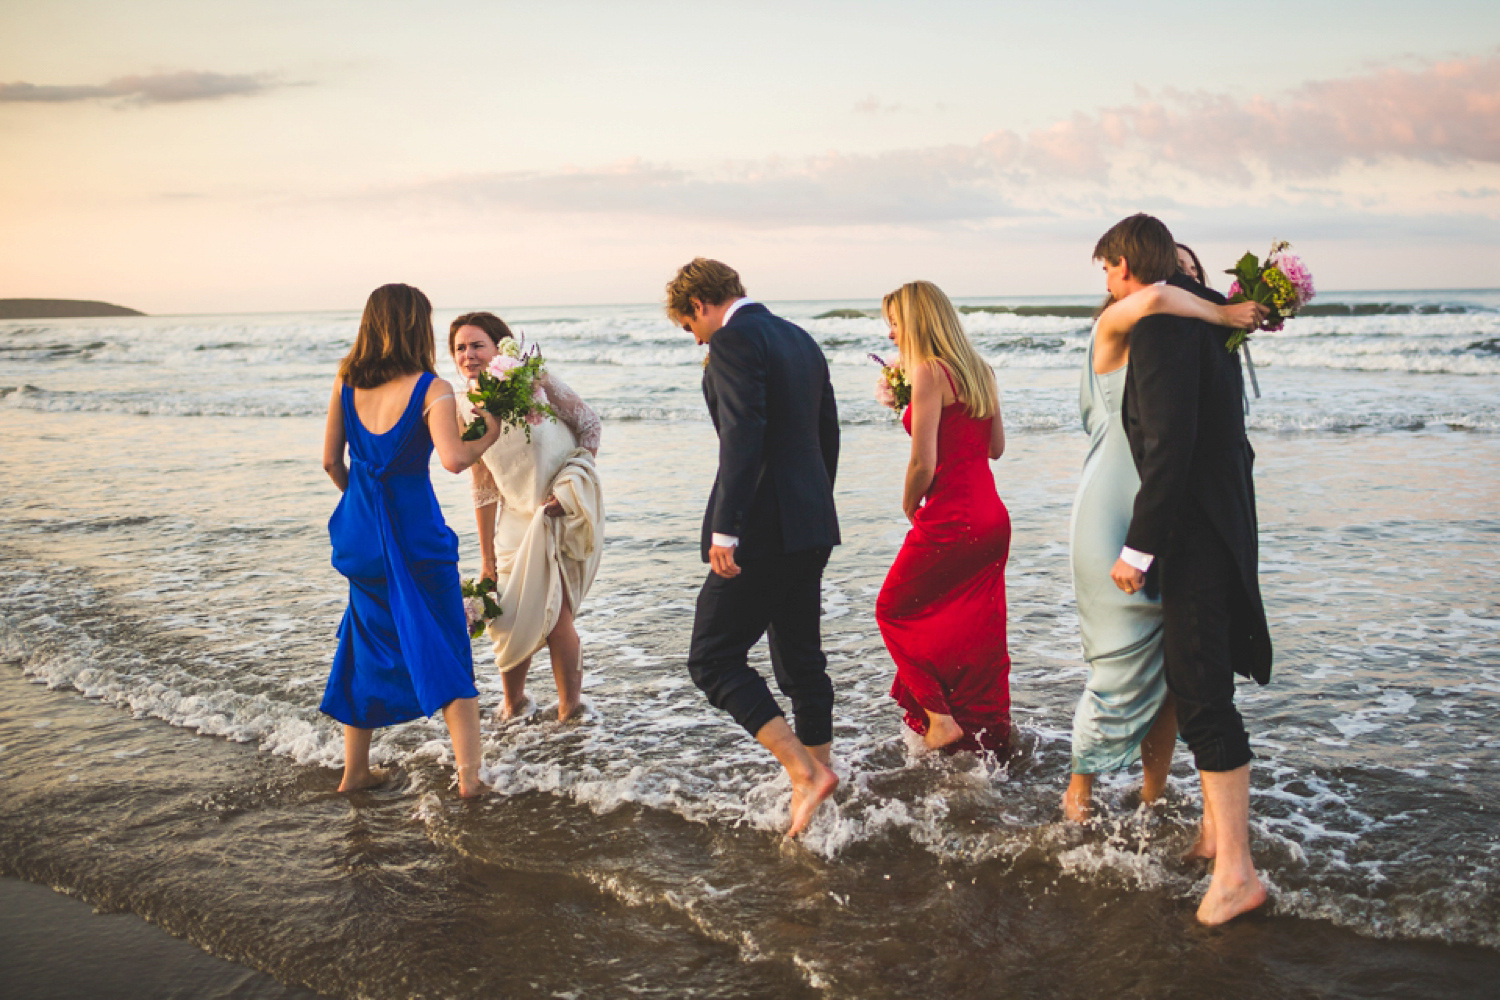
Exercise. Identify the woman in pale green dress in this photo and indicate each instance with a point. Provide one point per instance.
(1125, 712)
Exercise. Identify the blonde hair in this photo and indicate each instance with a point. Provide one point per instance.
(928, 329)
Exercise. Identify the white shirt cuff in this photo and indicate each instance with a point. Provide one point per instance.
(1139, 560)
(725, 541)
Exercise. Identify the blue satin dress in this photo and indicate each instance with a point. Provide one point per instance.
(404, 647)
(1122, 632)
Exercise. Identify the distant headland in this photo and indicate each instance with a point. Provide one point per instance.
(60, 309)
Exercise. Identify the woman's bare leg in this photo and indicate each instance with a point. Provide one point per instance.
(1156, 752)
(462, 717)
(1079, 798)
(941, 730)
(513, 683)
(357, 773)
(567, 668)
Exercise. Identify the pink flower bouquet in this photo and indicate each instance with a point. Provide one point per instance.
(1283, 284)
(511, 389)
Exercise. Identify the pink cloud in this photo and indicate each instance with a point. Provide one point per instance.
(1447, 112)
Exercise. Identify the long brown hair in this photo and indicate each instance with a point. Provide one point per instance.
(928, 328)
(395, 339)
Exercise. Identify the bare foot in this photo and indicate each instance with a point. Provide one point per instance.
(1078, 799)
(469, 785)
(361, 780)
(510, 712)
(569, 713)
(1223, 902)
(941, 731)
(1205, 848)
(806, 798)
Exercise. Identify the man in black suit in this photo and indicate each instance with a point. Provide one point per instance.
(1193, 535)
(770, 523)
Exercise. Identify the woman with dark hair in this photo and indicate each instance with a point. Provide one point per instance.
(403, 648)
(539, 511)
(1189, 264)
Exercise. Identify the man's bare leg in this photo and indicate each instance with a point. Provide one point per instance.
(1156, 752)
(823, 754)
(1235, 888)
(812, 780)
(462, 717)
(567, 670)
(513, 683)
(357, 773)
(941, 730)
(1206, 846)
(1078, 799)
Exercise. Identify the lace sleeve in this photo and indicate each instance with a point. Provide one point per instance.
(483, 485)
(574, 412)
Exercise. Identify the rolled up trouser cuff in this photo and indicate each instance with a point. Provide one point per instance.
(814, 726)
(1223, 753)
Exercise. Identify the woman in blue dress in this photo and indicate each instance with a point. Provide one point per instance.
(404, 649)
(1125, 712)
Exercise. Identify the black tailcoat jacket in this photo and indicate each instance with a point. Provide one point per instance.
(1185, 419)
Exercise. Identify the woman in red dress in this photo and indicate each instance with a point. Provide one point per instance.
(942, 608)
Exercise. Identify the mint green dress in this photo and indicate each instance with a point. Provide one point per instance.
(1122, 632)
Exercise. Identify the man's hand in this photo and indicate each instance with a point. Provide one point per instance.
(554, 507)
(721, 560)
(1127, 577)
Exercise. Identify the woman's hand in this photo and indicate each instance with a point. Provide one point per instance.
(1243, 315)
(553, 507)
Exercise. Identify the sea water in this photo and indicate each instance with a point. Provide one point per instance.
(164, 573)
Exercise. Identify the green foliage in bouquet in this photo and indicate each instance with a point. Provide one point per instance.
(509, 389)
(479, 604)
(1282, 284)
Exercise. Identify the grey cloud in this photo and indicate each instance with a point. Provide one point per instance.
(160, 88)
(942, 185)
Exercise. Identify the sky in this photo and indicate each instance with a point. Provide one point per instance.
(203, 156)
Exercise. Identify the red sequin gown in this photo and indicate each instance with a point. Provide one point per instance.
(941, 610)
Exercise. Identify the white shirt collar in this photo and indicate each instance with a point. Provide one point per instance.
(734, 307)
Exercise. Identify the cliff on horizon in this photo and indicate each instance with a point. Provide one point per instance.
(60, 309)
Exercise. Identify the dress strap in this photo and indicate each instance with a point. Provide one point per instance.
(949, 376)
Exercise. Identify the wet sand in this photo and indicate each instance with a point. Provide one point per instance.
(59, 948)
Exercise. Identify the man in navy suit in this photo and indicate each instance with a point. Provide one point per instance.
(770, 523)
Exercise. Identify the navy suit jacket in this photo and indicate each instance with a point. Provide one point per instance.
(768, 392)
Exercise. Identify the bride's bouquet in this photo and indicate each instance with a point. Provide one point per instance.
(1282, 284)
(511, 389)
(479, 604)
(891, 388)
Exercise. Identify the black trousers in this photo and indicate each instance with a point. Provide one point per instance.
(1200, 585)
(777, 596)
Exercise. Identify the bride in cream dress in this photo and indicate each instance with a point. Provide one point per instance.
(541, 526)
